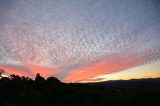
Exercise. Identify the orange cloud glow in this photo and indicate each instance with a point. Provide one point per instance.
(114, 64)
(29, 70)
(92, 70)
(44, 71)
(11, 70)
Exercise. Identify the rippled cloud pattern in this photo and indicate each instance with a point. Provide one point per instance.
(77, 40)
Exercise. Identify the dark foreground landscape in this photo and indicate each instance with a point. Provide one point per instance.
(23, 91)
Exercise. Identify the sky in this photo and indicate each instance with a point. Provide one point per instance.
(80, 40)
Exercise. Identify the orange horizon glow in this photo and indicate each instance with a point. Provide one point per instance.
(90, 73)
(144, 71)
(9, 71)
(43, 71)
(99, 68)
(30, 70)
(92, 70)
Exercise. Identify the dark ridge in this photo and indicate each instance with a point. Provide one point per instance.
(144, 82)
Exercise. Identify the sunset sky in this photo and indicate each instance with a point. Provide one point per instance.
(80, 40)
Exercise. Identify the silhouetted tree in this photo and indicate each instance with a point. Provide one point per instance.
(5, 79)
(39, 78)
(15, 77)
(1, 72)
(53, 80)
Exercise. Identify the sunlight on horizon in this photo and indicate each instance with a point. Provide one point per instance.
(151, 70)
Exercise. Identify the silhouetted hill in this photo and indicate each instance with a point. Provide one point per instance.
(145, 82)
(23, 91)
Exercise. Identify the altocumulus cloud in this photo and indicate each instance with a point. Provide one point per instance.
(77, 40)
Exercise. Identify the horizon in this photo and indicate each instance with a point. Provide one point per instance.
(2, 75)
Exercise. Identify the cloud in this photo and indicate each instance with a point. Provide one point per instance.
(69, 37)
(28, 70)
(14, 70)
(114, 63)
(44, 71)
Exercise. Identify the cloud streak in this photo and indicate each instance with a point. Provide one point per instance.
(115, 62)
